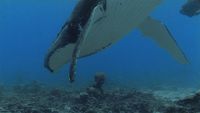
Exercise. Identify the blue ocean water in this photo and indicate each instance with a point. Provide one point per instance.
(27, 29)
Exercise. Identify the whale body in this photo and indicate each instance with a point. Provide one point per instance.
(97, 24)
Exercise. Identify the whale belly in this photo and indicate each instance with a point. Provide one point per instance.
(119, 18)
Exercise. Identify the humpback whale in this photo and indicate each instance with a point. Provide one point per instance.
(97, 24)
(191, 8)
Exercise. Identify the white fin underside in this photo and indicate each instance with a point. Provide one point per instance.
(160, 34)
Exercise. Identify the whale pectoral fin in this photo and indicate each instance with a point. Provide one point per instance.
(96, 16)
(160, 33)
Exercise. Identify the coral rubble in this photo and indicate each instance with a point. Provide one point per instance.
(37, 98)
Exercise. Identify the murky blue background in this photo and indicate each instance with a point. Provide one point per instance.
(28, 27)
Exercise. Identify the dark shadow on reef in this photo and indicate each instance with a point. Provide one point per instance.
(190, 104)
(37, 98)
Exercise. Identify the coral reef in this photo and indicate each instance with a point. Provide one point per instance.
(37, 98)
(190, 104)
(62, 101)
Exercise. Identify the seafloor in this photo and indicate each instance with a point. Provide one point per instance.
(37, 98)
